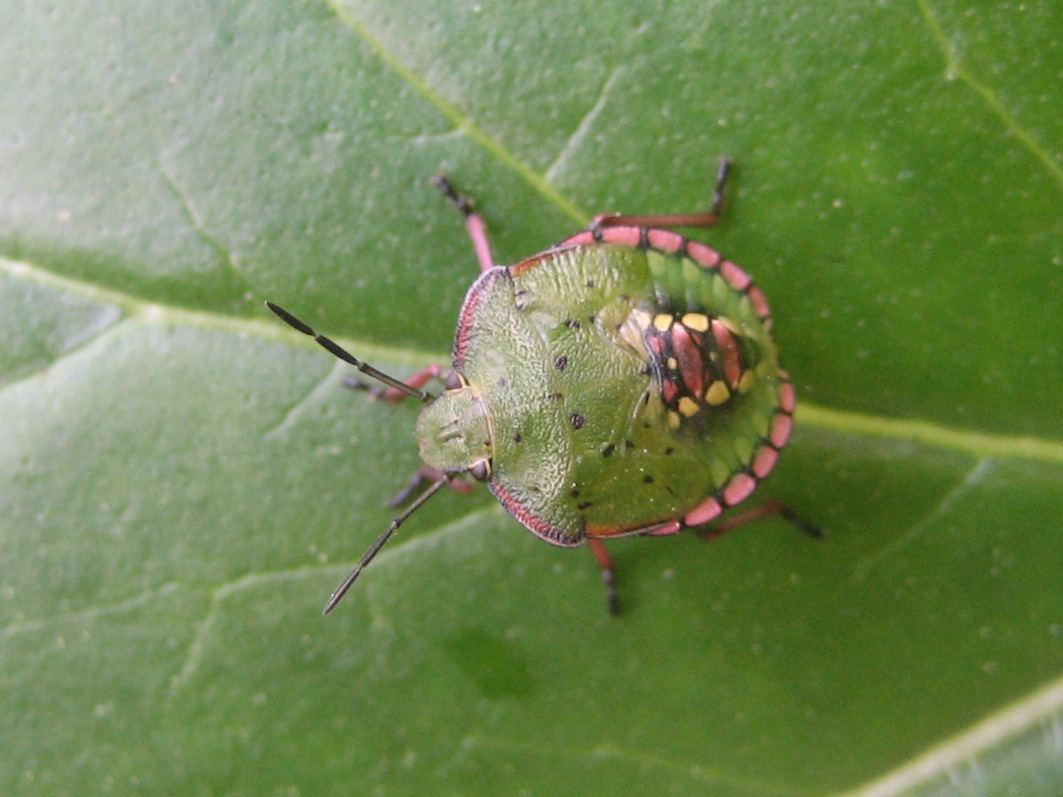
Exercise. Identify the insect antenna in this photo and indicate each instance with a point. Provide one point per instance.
(380, 541)
(336, 349)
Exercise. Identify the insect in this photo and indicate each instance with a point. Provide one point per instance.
(622, 382)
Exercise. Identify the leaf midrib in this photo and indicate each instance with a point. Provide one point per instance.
(931, 435)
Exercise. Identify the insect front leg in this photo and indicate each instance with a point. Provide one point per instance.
(474, 222)
(427, 475)
(393, 395)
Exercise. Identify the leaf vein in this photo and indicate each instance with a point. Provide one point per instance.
(933, 435)
(954, 67)
(940, 766)
(972, 479)
(87, 615)
(195, 220)
(296, 410)
(583, 129)
(693, 770)
(218, 595)
(457, 118)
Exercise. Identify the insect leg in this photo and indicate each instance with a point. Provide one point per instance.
(706, 219)
(768, 508)
(423, 475)
(393, 395)
(474, 222)
(605, 562)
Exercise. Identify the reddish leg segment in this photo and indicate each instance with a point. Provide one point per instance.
(474, 222)
(393, 395)
(768, 508)
(707, 219)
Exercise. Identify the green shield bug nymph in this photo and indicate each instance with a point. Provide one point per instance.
(624, 381)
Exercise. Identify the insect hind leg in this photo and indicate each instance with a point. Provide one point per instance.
(705, 219)
(773, 506)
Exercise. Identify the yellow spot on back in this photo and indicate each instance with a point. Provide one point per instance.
(699, 322)
(673, 363)
(688, 407)
(673, 420)
(746, 382)
(662, 322)
(717, 393)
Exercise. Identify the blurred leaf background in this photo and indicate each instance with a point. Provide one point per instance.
(183, 480)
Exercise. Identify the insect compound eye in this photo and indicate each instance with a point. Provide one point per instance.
(454, 381)
(481, 470)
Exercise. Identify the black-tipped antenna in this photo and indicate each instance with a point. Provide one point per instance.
(336, 349)
(374, 549)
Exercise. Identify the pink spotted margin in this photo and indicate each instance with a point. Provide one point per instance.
(741, 485)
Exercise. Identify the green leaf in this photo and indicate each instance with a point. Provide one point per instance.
(183, 480)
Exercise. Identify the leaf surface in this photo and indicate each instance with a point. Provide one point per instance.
(183, 480)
